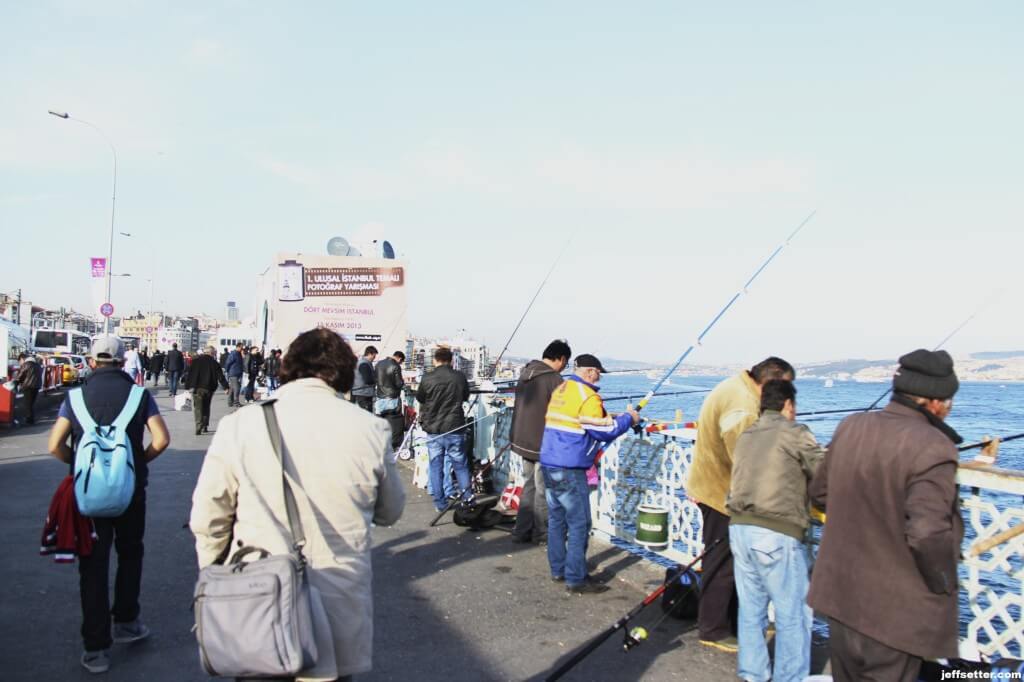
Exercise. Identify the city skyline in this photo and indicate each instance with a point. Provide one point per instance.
(676, 147)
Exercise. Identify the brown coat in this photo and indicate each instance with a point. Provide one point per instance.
(887, 563)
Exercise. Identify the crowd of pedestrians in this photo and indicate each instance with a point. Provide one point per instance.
(886, 582)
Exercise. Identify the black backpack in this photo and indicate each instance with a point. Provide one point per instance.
(681, 598)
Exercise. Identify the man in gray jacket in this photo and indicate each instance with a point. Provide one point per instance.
(364, 387)
(537, 382)
(886, 573)
(773, 463)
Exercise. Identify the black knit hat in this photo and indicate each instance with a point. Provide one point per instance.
(926, 373)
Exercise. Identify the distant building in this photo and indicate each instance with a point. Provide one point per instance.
(232, 312)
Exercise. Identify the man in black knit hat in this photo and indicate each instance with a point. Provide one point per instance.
(886, 574)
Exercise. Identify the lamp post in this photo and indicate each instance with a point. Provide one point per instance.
(113, 200)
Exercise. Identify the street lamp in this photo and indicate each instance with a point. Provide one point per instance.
(113, 199)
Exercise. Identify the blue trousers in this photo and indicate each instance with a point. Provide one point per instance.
(447, 449)
(568, 498)
(172, 378)
(771, 566)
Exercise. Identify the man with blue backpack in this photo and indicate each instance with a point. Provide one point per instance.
(106, 420)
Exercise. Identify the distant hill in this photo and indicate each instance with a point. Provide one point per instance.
(998, 355)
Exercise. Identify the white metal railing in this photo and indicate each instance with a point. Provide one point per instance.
(638, 471)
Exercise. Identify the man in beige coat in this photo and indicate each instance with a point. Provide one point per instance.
(726, 413)
(339, 464)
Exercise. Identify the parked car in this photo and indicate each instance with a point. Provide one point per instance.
(82, 366)
(69, 375)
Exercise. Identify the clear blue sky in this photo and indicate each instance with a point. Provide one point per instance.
(681, 143)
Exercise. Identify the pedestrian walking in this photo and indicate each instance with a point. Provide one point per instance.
(223, 357)
(203, 379)
(253, 364)
(768, 505)
(105, 393)
(537, 382)
(730, 408)
(337, 463)
(388, 405)
(157, 364)
(272, 369)
(575, 426)
(132, 363)
(28, 380)
(441, 394)
(233, 368)
(144, 360)
(175, 366)
(364, 388)
(887, 580)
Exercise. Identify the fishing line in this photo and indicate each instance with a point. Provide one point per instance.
(647, 398)
(991, 299)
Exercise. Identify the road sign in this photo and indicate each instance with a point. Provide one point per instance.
(106, 310)
(149, 330)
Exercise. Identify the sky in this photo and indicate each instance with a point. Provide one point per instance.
(668, 147)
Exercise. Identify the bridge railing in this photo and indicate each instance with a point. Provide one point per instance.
(653, 470)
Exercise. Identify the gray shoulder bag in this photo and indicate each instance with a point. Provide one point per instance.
(253, 619)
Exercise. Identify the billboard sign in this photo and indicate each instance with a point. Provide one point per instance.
(363, 299)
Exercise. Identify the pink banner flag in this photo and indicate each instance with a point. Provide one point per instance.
(99, 267)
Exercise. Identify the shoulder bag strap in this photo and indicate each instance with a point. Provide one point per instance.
(294, 521)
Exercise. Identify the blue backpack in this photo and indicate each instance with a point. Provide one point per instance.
(104, 460)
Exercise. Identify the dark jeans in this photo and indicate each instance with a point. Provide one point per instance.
(156, 378)
(173, 378)
(364, 401)
(201, 398)
(857, 657)
(28, 395)
(718, 602)
(250, 388)
(532, 518)
(125, 534)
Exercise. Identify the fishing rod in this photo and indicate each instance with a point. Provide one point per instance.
(814, 413)
(942, 343)
(621, 623)
(983, 443)
(650, 394)
(533, 300)
(656, 395)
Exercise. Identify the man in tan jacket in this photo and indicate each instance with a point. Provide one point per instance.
(726, 413)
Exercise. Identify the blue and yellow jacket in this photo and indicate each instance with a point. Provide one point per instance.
(576, 424)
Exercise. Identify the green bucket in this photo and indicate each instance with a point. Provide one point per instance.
(652, 526)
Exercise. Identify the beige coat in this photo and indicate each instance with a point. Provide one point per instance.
(726, 413)
(340, 467)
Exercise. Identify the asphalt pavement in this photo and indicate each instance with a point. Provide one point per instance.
(451, 604)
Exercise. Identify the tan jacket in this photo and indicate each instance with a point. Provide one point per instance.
(726, 413)
(340, 467)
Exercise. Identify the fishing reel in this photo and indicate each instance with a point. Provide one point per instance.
(633, 638)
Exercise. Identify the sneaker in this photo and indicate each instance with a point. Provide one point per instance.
(520, 539)
(729, 645)
(96, 661)
(586, 588)
(558, 578)
(126, 633)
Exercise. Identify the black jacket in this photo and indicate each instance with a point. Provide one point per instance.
(175, 361)
(389, 379)
(157, 362)
(224, 358)
(205, 373)
(537, 382)
(252, 364)
(441, 394)
(272, 366)
(29, 375)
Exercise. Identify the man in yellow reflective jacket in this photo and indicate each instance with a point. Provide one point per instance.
(575, 426)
